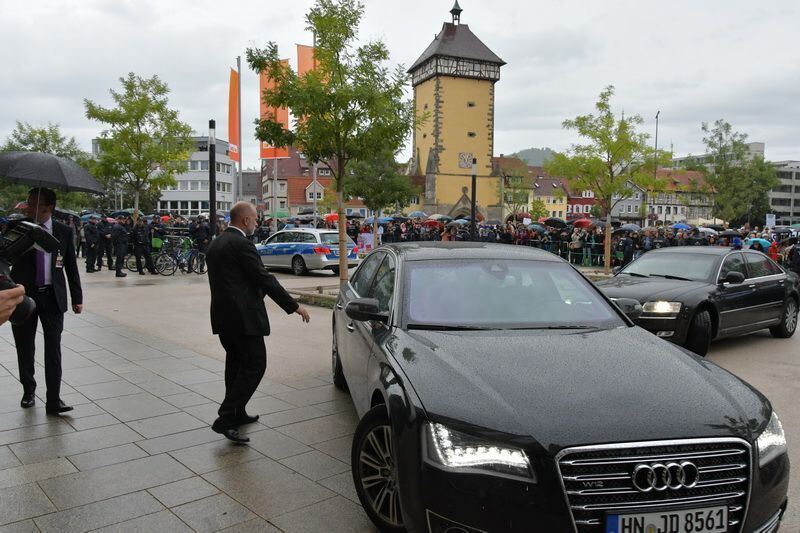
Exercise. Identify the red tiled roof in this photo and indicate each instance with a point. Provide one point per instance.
(677, 179)
(297, 186)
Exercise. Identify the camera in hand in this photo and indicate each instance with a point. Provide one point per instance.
(13, 245)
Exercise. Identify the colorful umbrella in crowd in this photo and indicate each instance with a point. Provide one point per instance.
(630, 227)
(431, 223)
(681, 225)
(418, 214)
(554, 222)
(331, 217)
(381, 220)
(763, 242)
(537, 227)
(440, 217)
(582, 223)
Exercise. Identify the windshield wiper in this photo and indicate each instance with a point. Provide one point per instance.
(670, 276)
(447, 327)
(635, 274)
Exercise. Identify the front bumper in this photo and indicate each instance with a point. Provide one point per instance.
(671, 328)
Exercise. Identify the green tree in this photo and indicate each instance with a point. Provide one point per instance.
(614, 153)
(514, 186)
(46, 139)
(145, 144)
(351, 106)
(538, 209)
(379, 183)
(741, 184)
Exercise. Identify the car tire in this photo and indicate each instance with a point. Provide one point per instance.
(788, 324)
(699, 338)
(336, 365)
(373, 458)
(299, 266)
(335, 270)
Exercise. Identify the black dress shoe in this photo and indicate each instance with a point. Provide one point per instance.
(28, 400)
(57, 409)
(247, 419)
(230, 434)
(121, 274)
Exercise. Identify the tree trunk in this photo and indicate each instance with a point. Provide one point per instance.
(375, 242)
(136, 206)
(342, 239)
(607, 252)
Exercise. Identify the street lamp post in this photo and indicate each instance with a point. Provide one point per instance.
(472, 209)
(655, 162)
(212, 177)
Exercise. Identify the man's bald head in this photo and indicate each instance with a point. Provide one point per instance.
(243, 216)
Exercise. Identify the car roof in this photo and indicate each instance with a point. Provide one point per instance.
(316, 231)
(431, 250)
(707, 250)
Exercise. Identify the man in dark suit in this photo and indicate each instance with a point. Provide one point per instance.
(119, 237)
(92, 234)
(42, 274)
(239, 283)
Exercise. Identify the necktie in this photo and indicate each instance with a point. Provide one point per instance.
(39, 268)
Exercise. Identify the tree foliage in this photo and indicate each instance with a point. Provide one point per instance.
(145, 144)
(46, 139)
(379, 182)
(614, 152)
(351, 106)
(514, 185)
(741, 184)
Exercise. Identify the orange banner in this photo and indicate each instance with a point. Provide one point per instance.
(305, 59)
(233, 117)
(280, 115)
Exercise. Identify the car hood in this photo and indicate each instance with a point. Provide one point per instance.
(568, 389)
(645, 289)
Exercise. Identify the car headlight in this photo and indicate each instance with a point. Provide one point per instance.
(456, 451)
(772, 441)
(662, 308)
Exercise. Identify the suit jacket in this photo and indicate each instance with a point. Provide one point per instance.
(63, 261)
(239, 281)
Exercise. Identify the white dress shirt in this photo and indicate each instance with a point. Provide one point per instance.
(48, 258)
(240, 230)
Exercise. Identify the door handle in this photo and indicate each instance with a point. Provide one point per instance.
(752, 286)
(339, 306)
(351, 327)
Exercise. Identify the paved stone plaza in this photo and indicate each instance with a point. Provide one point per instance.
(137, 453)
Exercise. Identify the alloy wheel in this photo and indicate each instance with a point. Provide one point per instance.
(791, 316)
(378, 475)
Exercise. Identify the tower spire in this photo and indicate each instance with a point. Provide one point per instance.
(456, 12)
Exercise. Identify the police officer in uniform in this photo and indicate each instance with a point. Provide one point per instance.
(202, 234)
(92, 234)
(141, 247)
(104, 245)
(119, 237)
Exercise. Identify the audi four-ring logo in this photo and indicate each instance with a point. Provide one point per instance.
(660, 476)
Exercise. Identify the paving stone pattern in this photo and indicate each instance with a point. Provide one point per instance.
(137, 453)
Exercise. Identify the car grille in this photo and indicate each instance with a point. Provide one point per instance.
(597, 479)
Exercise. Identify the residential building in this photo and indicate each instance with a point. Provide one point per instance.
(580, 204)
(251, 189)
(190, 195)
(683, 196)
(785, 199)
(538, 186)
(453, 86)
(707, 160)
(628, 207)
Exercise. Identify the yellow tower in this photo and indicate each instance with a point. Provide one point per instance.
(453, 83)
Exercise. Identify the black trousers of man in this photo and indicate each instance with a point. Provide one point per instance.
(48, 312)
(104, 249)
(245, 365)
(91, 257)
(141, 251)
(119, 252)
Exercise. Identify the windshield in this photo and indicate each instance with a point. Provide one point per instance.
(497, 293)
(693, 267)
(332, 238)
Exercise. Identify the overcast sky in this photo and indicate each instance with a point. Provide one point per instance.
(693, 60)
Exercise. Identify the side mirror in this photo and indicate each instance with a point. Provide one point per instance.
(632, 308)
(364, 310)
(733, 277)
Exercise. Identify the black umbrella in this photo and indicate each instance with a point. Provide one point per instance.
(37, 169)
(730, 233)
(791, 241)
(554, 222)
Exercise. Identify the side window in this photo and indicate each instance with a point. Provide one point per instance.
(759, 265)
(291, 236)
(733, 263)
(363, 277)
(383, 287)
(275, 239)
(308, 237)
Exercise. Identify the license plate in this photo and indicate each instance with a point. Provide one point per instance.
(705, 520)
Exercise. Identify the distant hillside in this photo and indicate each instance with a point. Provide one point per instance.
(535, 156)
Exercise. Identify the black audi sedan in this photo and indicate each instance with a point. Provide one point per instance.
(691, 295)
(499, 390)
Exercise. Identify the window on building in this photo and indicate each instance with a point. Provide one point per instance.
(195, 165)
(203, 185)
(323, 172)
(204, 205)
(587, 209)
(183, 185)
(636, 208)
(414, 200)
(194, 185)
(668, 211)
(319, 196)
(470, 134)
(184, 206)
(282, 204)
(282, 186)
(203, 165)
(637, 196)
(630, 208)
(659, 210)
(560, 214)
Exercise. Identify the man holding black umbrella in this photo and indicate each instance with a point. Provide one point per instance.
(42, 274)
